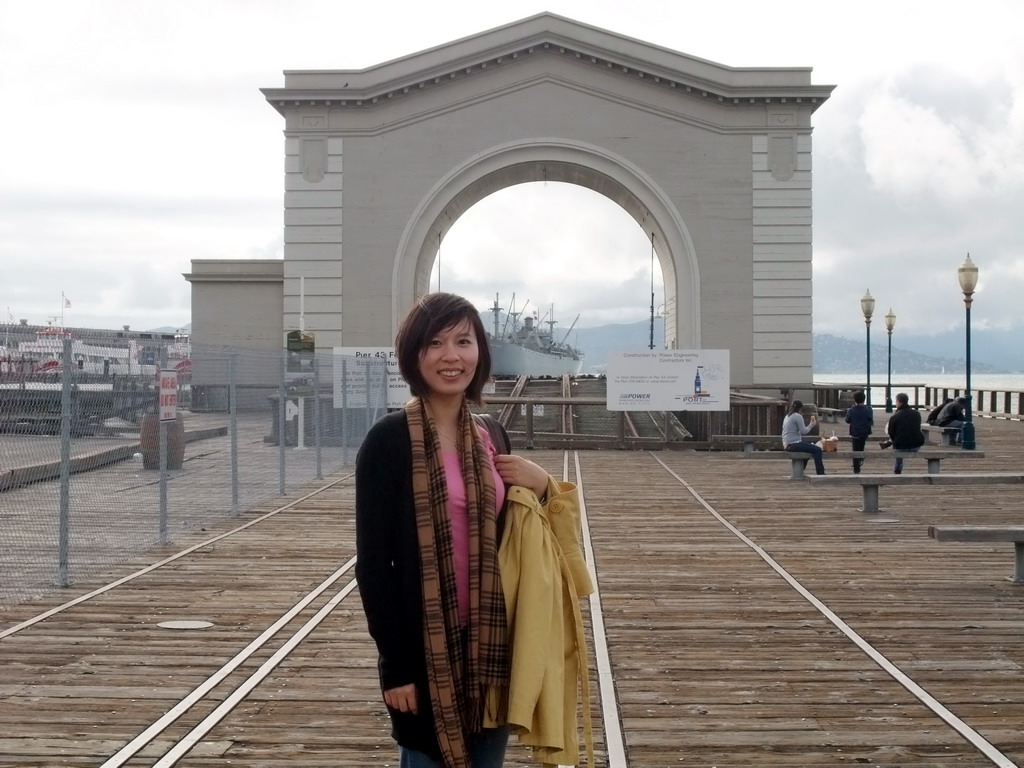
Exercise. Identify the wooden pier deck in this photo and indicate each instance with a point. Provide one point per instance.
(742, 619)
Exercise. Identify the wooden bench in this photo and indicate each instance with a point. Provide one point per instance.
(934, 458)
(986, 533)
(871, 483)
(945, 434)
(746, 442)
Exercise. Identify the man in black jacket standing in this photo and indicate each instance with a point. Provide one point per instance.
(904, 429)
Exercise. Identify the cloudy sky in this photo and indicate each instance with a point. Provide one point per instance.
(134, 138)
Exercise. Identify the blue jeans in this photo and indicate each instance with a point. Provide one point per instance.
(898, 467)
(805, 447)
(486, 750)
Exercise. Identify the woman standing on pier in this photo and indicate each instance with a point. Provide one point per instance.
(429, 489)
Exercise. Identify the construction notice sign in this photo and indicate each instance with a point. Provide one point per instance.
(168, 394)
(668, 380)
(368, 377)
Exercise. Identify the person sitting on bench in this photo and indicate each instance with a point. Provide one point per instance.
(933, 414)
(904, 429)
(952, 416)
(793, 431)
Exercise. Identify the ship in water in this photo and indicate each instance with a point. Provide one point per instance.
(526, 348)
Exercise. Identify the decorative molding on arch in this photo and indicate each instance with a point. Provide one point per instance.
(545, 34)
(553, 159)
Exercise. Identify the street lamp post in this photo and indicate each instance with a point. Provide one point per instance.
(890, 323)
(867, 306)
(967, 274)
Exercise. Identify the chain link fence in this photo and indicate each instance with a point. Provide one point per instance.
(90, 474)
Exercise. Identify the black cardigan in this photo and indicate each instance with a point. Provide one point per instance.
(388, 572)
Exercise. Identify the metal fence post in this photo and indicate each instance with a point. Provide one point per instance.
(233, 411)
(368, 410)
(281, 407)
(163, 455)
(385, 393)
(344, 411)
(316, 417)
(64, 524)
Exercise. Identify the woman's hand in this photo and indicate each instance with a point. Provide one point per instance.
(402, 698)
(515, 470)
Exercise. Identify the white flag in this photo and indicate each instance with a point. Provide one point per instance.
(67, 303)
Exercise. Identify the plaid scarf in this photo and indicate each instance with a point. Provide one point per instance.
(458, 673)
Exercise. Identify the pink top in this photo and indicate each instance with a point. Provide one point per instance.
(460, 520)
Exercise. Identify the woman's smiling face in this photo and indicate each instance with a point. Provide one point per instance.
(448, 363)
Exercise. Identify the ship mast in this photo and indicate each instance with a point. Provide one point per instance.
(496, 309)
(552, 322)
(515, 315)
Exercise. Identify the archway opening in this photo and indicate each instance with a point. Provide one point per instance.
(562, 252)
(550, 161)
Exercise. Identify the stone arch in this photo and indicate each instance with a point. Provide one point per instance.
(714, 160)
(555, 160)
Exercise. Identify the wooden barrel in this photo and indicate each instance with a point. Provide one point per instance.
(149, 442)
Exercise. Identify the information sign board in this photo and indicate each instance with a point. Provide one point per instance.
(359, 370)
(668, 380)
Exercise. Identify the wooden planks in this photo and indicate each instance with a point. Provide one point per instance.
(717, 658)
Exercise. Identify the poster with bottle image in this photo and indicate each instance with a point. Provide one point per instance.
(668, 380)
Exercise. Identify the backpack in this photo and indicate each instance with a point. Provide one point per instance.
(933, 415)
(502, 444)
(499, 437)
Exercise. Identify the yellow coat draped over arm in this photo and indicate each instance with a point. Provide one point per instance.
(543, 575)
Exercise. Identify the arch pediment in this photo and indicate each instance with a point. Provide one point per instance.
(554, 38)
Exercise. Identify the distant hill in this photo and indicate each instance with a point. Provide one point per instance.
(996, 351)
(187, 328)
(597, 342)
(832, 354)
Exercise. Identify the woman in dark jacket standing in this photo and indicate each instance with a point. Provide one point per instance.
(429, 487)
